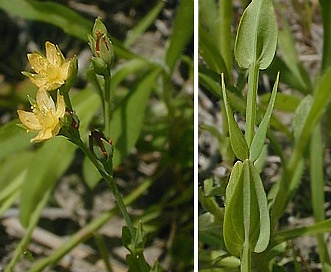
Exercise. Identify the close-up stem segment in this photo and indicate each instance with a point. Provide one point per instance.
(253, 79)
(107, 105)
(108, 177)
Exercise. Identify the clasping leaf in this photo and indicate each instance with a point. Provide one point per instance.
(237, 140)
(259, 137)
(246, 213)
(256, 39)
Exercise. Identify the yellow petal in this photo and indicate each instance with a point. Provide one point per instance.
(43, 135)
(64, 70)
(53, 54)
(38, 63)
(29, 120)
(60, 107)
(44, 102)
(56, 129)
(39, 81)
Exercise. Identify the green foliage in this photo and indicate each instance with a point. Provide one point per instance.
(181, 33)
(256, 38)
(237, 139)
(261, 133)
(246, 215)
(127, 120)
(249, 223)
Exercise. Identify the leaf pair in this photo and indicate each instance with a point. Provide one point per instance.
(246, 213)
(237, 140)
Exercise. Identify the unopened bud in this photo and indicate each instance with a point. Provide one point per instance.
(101, 47)
(70, 125)
(102, 148)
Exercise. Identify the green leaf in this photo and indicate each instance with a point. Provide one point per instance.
(85, 103)
(209, 21)
(215, 38)
(284, 102)
(287, 75)
(260, 135)
(50, 12)
(318, 228)
(182, 32)
(326, 11)
(233, 225)
(246, 212)
(135, 245)
(13, 138)
(290, 56)
(210, 204)
(264, 219)
(210, 53)
(256, 38)
(260, 162)
(90, 173)
(300, 115)
(234, 177)
(322, 96)
(127, 119)
(124, 70)
(237, 139)
(221, 261)
(207, 81)
(11, 166)
(317, 190)
(48, 164)
(137, 263)
(210, 189)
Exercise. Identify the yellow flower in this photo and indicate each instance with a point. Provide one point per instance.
(51, 71)
(45, 116)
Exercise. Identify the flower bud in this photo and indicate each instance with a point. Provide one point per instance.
(102, 148)
(99, 66)
(101, 47)
(70, 126)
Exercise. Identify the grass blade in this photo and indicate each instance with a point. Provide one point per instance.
(180, 35)
(141, 27)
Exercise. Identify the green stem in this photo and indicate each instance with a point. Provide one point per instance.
(245, 258)
(253, 80)
(108, 177)
(246, 254)
(107, 108)
(87, 231)
(95, 81)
